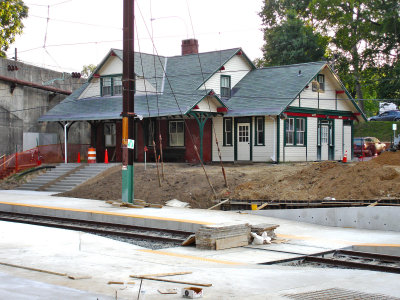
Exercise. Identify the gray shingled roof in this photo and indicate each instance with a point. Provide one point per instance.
(109, 108)
(269, 91)
(184, 75)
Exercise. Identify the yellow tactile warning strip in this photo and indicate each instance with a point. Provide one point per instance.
(225, 262)
(109, 213)
(350, 243)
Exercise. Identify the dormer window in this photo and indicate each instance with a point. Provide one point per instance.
(111, 86)
(106, 86)
(225, 86)
(319, 84)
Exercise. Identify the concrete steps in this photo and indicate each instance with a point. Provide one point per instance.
(77, 174)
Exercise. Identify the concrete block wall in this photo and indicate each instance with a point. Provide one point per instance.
(21, 107)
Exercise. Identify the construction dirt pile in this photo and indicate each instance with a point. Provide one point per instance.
(374, 179)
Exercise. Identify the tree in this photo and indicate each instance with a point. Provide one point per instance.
(292, 42)
(363, 33)
(87, 70)
(12, 12)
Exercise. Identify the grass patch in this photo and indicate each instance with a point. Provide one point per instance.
(379, 129)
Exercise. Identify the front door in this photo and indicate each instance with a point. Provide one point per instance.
(243, 142)
(324, 142)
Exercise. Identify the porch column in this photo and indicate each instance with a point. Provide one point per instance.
(201, 118)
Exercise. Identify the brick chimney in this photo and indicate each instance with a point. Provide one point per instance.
(190, 46)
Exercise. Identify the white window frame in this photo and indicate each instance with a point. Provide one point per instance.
(300, 131)
(110, 134)
(290, 132)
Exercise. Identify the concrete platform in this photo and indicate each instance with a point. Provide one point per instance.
(234, 273)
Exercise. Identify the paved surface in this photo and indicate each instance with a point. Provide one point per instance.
(234, 273)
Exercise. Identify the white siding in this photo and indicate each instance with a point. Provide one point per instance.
(338, 139)
(344, 103)
(347, 141)
(281, 138)
(112, 66)
(294, 154)
(265, 153)
(227, 152)
(327, 97)
(295, 102)
(208, 104)
(93, 89)
(308, 98)
(237, 67)
(312, 128)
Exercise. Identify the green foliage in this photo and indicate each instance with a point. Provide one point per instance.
(364, 37)
(292, 42)
(87, 70)
(379, 129)
(11, 14)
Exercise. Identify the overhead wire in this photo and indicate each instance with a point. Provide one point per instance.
(181, 112)
(209, 107)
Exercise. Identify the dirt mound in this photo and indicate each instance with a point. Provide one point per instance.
(374, 179)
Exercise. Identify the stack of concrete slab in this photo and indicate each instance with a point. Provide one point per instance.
(222, 236)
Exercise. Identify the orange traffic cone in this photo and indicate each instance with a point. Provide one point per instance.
(345, 157)
(79, 158)
(106, 157)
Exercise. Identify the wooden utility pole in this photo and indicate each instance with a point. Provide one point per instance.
(128, 81)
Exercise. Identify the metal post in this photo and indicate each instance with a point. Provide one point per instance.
(65, 142)
(128, 77)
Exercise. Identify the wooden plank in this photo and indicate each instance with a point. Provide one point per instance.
(175, 281)
(264, 205)
(33, 269)
(120, 282)
(218, 204)
(190, 240)
(231, 242)
(76, 277)
(160, 274)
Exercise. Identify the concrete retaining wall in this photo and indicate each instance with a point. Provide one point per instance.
(376, 218)
(21, 106)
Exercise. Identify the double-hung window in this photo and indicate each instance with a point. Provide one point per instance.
(290, 131)
(228, 132)
(176, 133)
(295, 132)
(106, 86)
(117, 85)
(111, 86)
(300, 131)
(225, 86)
(259, 131)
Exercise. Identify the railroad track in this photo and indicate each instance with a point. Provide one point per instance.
(128, 233)
(347, 259)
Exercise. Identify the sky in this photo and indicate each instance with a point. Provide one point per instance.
(65, 35)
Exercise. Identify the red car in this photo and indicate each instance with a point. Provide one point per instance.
(368, 146)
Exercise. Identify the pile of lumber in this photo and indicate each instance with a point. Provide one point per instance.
(222, 236)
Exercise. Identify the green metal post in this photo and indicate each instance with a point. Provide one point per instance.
(201, 119)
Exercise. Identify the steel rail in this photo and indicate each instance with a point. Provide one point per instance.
(383, 257)
(351, 264)
(93, 227)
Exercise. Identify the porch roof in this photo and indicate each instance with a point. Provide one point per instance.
(109, 108)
